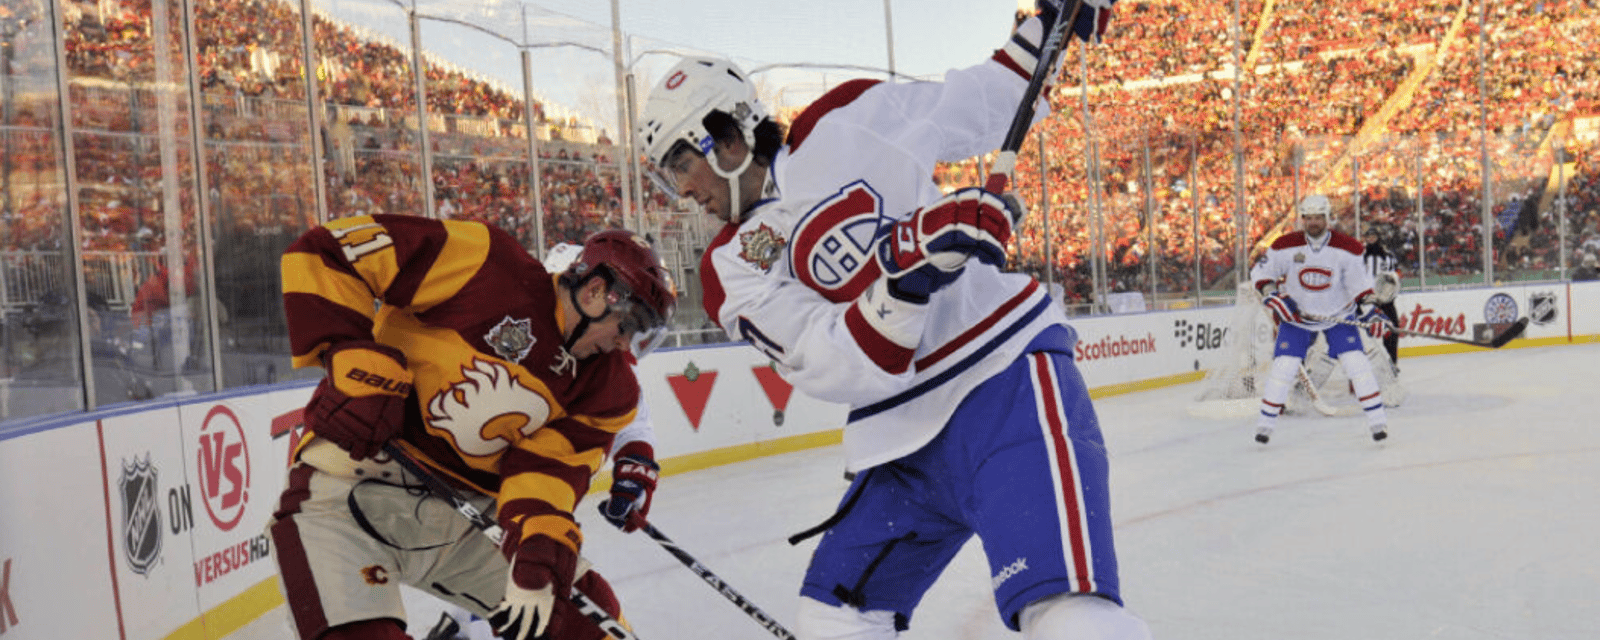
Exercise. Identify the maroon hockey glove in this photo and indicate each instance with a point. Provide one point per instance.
(541, 573)
(633, 484)
(360, 405)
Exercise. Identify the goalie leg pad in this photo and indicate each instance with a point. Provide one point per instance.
(1080, 617)
(819, 621)
(1359, 370)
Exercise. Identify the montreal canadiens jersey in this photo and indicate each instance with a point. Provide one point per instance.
(500, 405)
(856, 161)
(1324, 278)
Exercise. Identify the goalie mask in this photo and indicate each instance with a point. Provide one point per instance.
(673, 121)
(638, 286)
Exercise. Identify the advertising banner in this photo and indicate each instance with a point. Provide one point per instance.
(54, 579)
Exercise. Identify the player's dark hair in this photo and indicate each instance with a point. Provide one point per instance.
(768, 134)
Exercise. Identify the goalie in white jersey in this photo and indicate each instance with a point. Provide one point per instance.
(844, 263)
(1311, 280)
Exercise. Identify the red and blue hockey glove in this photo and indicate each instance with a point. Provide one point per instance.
(1092, 20)
(542, 570)
(361, 404)
(1282, 306)
(930, 250)
(1378, 323)
(1021, 52)
(633, 484)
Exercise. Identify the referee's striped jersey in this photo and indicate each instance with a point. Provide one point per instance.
(1378, 260)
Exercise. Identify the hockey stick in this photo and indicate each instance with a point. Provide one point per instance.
(717, 583)
(1005, 163)
(492, 530)
(1511, 333)
(1316, 396)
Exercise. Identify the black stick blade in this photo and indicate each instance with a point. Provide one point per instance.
(1511, 333)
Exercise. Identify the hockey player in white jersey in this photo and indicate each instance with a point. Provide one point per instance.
(844, 263)
(1310, 279)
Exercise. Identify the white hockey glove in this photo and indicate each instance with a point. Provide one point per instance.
(930, 250)
(1385, 286)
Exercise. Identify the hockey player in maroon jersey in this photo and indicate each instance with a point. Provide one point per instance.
(1309, 280)
(844, 263)
(448, 339)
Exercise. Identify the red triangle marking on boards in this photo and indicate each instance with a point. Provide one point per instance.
(778, 390)
(692, 394)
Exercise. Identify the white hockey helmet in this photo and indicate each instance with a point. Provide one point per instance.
(1315, 204)
(561, 256)
(676, 109)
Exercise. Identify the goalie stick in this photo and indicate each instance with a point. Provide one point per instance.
(761, 617)
(1317, 402)
(492, 530)
(1005, 163)
(1511, 333)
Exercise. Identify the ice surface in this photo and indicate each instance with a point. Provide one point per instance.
(1479, 517)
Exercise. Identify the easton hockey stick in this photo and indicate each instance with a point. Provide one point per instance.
(1511, 333)
(722, 586)
(492, 530)
(1005, 163)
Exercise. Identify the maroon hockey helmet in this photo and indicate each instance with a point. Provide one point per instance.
(641, 289)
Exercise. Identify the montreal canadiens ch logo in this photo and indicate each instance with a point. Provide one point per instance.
(1315, 278)
(833, 244)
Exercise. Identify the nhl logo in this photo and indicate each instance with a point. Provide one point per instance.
(1542, 307)
(141, 515)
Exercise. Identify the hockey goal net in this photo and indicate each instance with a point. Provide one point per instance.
(1233, 388)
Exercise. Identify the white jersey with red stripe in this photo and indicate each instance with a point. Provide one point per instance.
(857, 160)
(1325, 276)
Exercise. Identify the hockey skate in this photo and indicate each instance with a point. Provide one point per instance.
(1379, 432)
(1263, 434)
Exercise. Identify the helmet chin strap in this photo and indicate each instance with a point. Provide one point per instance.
(583, 318)
(735, 204)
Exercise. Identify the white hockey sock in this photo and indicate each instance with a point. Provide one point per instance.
(1359, 370)
(1070, 616)
(818, 621)
(1279, 381)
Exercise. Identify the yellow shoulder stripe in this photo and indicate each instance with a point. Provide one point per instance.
(465, 249)
(305, 273)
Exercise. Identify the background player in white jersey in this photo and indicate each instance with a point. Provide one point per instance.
(1310, 279)
(844, 262)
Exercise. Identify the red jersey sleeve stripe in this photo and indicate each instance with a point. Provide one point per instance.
(886, 354)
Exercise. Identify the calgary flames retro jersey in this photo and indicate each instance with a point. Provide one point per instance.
(499, 404)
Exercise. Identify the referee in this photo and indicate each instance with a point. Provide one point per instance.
(1386, 283)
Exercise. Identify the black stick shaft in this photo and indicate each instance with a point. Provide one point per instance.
(492, 530)
(722, 587)
(1049, 53)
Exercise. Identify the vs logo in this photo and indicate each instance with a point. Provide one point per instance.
(224, 464)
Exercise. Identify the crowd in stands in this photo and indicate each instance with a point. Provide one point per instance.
(1368, 101)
